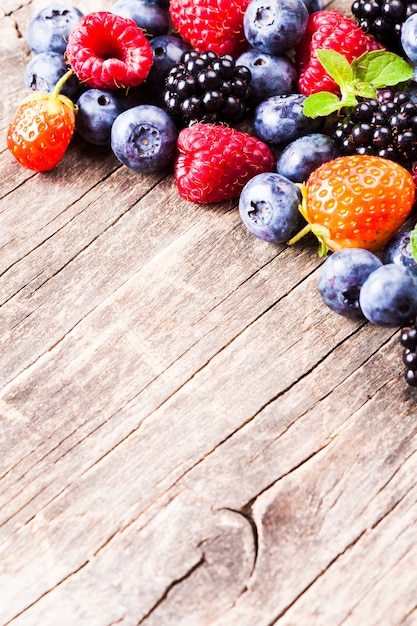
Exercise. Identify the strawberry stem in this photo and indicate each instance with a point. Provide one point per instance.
(321, 232)
(304, 231)
(62, 82)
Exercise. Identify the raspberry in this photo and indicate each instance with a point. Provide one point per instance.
(214, 162)
(207, 87)
(211, 24)
(383, 126)
(107, 51)
(329, 30)
(383, 19)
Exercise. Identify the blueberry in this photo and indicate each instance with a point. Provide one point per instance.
(313, 5)
(268, 206)
(97, 110)
(273, 26)
(280, 119)
(341, 278)
(164, 4)
(389, 296)
(270, 75)
(44, 71)
(411, 89)
(398, 250)
(305, 154)
(150, 16)
(50, 28)
(167, 51)
(144, 138)
(409, 37)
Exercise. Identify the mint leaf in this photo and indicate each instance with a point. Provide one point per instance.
(337, 66)
(365, 90)
(360, 79)
(381, 69)
(413, 240)
(321, 103)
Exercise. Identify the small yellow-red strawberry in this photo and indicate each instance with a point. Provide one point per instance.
(357, 201)
(41, 130)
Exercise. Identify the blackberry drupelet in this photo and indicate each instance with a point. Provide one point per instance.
(383, 19)
(206, 87)
(384, 126)
(408, 339)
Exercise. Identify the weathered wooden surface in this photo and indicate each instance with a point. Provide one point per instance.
(188, 437)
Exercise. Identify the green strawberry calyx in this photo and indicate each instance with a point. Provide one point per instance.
(359, 79)
(321, 232)
(55, 100)
(413, 242)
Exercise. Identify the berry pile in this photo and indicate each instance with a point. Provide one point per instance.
(206, 87)
(332, 145)
(384, 126)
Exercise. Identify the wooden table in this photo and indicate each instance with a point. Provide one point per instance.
(188, 435)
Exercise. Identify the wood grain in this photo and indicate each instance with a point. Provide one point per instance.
(188, 436)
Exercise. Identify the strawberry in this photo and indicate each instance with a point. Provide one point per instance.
(215, 25)
(357, 201)
(214, 162)
(107, 51)
(42, 128)
(328, 30)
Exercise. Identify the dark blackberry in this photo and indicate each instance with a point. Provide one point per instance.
(408, 340)
(205, 87)
(384, 126)
(383, 19)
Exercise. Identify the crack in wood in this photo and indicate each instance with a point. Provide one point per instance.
(45, 593)
(18, 186)
(384, 486)
(172, 586)
(408, 615)
(20, 35)
(247, 514)
(374, 584)
(105, 177)
(324, 571)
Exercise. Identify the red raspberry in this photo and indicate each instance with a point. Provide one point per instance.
(107, 51)
(215, 25)
(329, 30)
(214, 162)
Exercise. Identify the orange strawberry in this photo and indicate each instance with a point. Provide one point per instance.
(357, 201)
(42, 128)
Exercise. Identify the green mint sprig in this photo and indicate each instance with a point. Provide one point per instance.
(359, 79)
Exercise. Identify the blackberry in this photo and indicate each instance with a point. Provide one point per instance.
(408, 340)
(384, 126)
(205, 87)
(383, 19)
